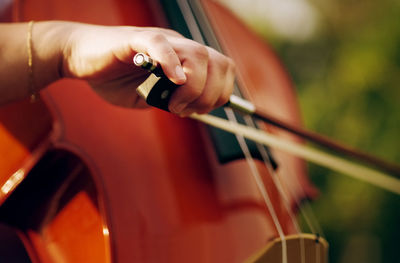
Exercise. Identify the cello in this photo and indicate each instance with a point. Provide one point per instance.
(95, 183)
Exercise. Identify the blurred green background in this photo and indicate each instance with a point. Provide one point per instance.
(344, 58)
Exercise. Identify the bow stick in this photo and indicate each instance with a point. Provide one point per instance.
(157, 89)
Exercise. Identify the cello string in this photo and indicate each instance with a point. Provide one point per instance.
(305, 208)
(274, 175)
(233, 51)
(312, 218)
(194, 26)
(249, 121)
(198, 36)
(308, 213)
(249, 95)
(324, 159)
(260, 184)
(216, 44)
(244, 87)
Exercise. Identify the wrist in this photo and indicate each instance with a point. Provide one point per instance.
(49, 41)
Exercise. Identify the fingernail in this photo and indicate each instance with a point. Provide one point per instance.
(179, 73)
(178, 108)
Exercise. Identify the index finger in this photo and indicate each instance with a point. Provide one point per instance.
(159, 48)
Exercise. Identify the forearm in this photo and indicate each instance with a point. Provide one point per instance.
(48, 39)
(102, 55)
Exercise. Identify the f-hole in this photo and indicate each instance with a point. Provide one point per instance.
(57, 204)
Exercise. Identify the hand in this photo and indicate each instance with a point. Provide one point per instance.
(103, 56)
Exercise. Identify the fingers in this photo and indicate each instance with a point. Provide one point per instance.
(205, 75)
(210, 80)
(218, 86)
(195, 60)
(156, 45)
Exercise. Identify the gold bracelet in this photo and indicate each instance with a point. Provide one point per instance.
(32, 89)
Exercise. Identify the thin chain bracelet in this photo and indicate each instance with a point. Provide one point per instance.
(32, 89)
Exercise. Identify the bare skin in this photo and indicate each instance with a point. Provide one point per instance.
(103, 55)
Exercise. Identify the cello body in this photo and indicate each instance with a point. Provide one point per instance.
(92, 182)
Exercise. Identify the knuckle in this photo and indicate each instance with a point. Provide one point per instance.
(231, 65)
(227, 65)
(155, 37)
(172, 32)
(200, 52)
(224, 64)
(196, 92)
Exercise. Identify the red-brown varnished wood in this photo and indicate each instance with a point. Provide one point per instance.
(158, 193)
(57, 241)
(25, 129)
